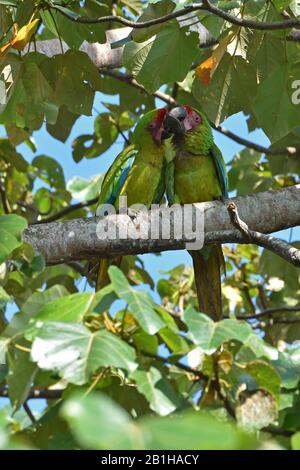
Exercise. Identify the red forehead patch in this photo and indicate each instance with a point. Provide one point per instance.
(160, 115)
(188, 108)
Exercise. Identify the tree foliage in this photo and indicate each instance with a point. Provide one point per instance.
(118, 369)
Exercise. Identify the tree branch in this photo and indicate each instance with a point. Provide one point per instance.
(280, 247)
(66, 211)
(268, 312)
(74, 240)
(291, 150)
(132, 81)
(47, 394)
(204, 6)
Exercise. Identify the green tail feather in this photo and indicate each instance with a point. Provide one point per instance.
(207, 271)
(102, 275)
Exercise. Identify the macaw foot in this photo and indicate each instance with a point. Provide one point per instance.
(132, 213)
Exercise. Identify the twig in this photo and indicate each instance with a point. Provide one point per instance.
(82, 270)
(5, 203)
(181, 366)
(29, 412)
(204, 6)
(280, 247)
(237, 222)
(66, 210)
(268, 311)
(291, 150)
(126, 140)
(131, 81)
(47, 394)
(216, 385)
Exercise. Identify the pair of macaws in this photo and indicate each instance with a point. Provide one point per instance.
(196, 173)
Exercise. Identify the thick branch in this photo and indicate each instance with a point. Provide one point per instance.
(77, 240)
(102, 55)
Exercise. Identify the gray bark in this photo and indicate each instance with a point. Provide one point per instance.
(100, 54)
(74, 240)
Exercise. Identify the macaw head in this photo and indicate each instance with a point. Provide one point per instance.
(180, 120)
(150, 127)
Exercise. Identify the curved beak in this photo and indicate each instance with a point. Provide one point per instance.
(173, 122)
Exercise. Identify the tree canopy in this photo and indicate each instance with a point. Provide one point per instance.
(136, 365)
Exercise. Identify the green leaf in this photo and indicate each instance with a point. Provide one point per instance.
(266, 377)
(4, 298)
(157, 390)
(230, 89)
(75, 352)
(273, 107)
(97, 422)
(20, 378)
(83, 189)
(62, 127)
(192, 431)
(72, 308)
(50, 170)
(295, 441)
(210, 335)
(35, 84)
(153, 11)
(166, 58)
(10, 156)
(135, 6)
(274, 266)
(189, 431)
(91, 146)
(11, 227)
(74, 79)
(288, 368)
(140, 303)
(282, 4)
(53, 434)
(145, 343)
(31, 307)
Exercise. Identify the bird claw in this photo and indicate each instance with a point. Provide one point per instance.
(132, 213)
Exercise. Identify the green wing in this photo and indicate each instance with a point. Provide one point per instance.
(116, 176)
(221, 169)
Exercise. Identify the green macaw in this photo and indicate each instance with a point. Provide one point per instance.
(137, 172)
(197, 174)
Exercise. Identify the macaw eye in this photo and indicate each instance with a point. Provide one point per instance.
(197, 119)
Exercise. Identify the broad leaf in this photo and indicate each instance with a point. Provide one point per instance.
(11, 227)
(166, 58)
(140, 303)
(157, 390)
(75, 352)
